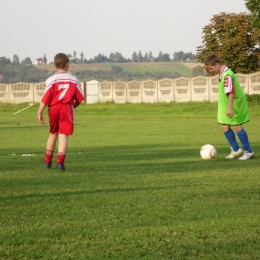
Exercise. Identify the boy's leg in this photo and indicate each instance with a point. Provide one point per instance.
(231, 138)
(66, 115)
(243, 137)
(50, 147)
(62, 149)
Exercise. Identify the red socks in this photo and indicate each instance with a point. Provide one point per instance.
(61, 158)
(48, 156)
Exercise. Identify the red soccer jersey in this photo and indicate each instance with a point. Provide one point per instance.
(62, 88)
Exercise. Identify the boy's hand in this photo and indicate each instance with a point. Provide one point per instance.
(41, 119)
(230, 113)
(76, 104)
(40, 111)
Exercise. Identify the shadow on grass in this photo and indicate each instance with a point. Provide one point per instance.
(83, 192)
(127, 159)
(146, 152)
(100, 164)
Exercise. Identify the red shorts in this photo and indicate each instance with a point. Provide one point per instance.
(61, 117)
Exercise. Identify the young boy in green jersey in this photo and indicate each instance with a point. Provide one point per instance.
(232, 108)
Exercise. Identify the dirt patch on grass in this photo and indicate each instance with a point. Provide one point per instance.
(192, 65)
(148, 64)
(89, 66)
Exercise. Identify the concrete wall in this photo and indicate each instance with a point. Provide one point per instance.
(134, 92)
(91, 92)
(148, 91)
(165, 90)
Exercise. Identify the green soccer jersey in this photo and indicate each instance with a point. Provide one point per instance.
(240, 105)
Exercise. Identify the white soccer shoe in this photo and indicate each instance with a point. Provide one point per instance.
(235, 154)
(246, 156)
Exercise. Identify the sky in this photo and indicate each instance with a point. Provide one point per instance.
(32, 28)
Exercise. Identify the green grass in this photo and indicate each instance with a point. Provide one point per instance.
(139, 191)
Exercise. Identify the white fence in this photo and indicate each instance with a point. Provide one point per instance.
(148, 91)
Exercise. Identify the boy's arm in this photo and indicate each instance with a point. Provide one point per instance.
(230, 91)
(79, 98)
(76, 104)
(40, 110)
(230, 105)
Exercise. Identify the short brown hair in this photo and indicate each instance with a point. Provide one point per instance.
(60, 60)
(212, 60)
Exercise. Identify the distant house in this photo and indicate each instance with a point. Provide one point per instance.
(1, 76)
(38, 61)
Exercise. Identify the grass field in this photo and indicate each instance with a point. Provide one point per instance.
(139, 190)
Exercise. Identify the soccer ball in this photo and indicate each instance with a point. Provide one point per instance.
(208, 151)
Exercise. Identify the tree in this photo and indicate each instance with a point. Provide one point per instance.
(233, 38)
(165, 57)
(118, 57)
(116, 69)
(15, 59)
(100, 58)
(189, 56)
(182, 56)
(145, 59)
(134, 57)
(81, 57)
(197, 71)
(69, 56)
(74, 54)
(159, 58)
(178, 56)
(139, 57)
(44, 59)
(26, 61)
(150, 56)
(111, 56)
(4, 61)
(254, 7)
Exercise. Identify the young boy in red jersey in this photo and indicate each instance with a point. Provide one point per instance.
(62, 95)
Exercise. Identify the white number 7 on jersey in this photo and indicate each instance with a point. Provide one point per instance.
(65, 87)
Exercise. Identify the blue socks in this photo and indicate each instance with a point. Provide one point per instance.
(242, 135)
(232, 140)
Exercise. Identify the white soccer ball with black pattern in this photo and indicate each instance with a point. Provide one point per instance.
(208, 151)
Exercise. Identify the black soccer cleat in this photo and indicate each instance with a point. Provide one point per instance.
(60, 167)
(47, 165)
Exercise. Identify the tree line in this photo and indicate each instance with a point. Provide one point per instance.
(139, 57)
(117, 57)
(23, 71)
